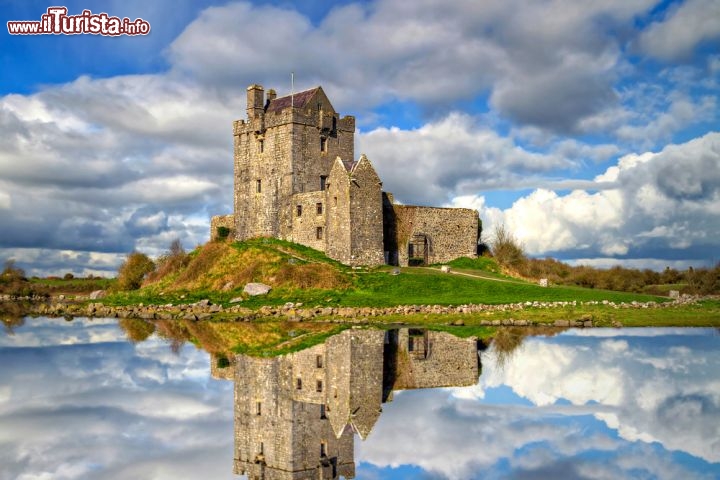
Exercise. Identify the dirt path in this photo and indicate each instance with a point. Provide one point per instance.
(494, 279)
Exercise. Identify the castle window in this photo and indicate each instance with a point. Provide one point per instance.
(319, 361)
(318, 233)
(318, 386)
(335, 201)
(323, 182)
(298, 210)
(298, 384)
(323, 144)
(322, 412)
(262, 448)
(261, 146)
(323, 449)
(318, 207)
(259, 408)
(258, 186)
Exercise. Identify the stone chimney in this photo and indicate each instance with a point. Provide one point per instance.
(255, 101)
(271, 95)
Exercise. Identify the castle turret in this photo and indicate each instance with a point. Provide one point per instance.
(255, 101)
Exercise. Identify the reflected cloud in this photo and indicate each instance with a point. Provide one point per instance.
(108, 410)
(399, 404)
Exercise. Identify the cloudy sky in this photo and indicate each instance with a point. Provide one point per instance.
(77, 401)
(589, 128)
(599, 404)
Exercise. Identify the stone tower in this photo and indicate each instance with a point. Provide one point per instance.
(285, 147)
(289, 152)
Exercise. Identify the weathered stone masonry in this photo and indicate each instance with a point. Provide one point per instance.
(295, 179)
(295, 414)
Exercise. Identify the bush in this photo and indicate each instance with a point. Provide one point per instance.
(137, 330)
(11, 272)
(133, 271)
(68, 276)
(222, 232)
(173, 261)
(506, 249)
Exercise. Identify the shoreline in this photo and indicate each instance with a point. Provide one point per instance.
(583, 314)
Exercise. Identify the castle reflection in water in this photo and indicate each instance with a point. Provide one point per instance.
(296, 414)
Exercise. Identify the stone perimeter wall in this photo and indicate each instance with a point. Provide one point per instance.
(359, 315)
(448, 362)
(227, 221)
(450, 232)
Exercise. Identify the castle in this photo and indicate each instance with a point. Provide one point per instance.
(296, 414)
(296, 179)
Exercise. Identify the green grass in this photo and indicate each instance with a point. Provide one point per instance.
(426, 287)
(291, 345)
(287, 249)
(702, 314)
(376, 287)
(98, 283)
(480, 264)
(414, 286)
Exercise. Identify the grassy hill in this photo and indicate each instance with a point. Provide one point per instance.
(219, 271)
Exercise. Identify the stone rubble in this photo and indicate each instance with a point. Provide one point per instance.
(204, 309)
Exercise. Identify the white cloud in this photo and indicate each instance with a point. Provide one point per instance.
(682, 111)
(669, 200)
(105, 165)
(634, 384)
(683, 28)
(548, 64)
(92, 411)
(645, 384)
(450, 157)
(5, 201)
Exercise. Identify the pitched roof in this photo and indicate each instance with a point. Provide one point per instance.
(349, 164)
(299, 100)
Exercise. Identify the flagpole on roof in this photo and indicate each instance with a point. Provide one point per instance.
(292, 89)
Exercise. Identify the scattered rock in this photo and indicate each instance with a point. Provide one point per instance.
(445, 268)
(236, 300)
(562, 323)
(395, 271)
(458, 323)
(227, 287)
(254, 289)
(543, 282)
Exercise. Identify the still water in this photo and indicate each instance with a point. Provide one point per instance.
(80, 401)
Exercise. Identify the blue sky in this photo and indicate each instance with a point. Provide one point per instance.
(590, 130)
